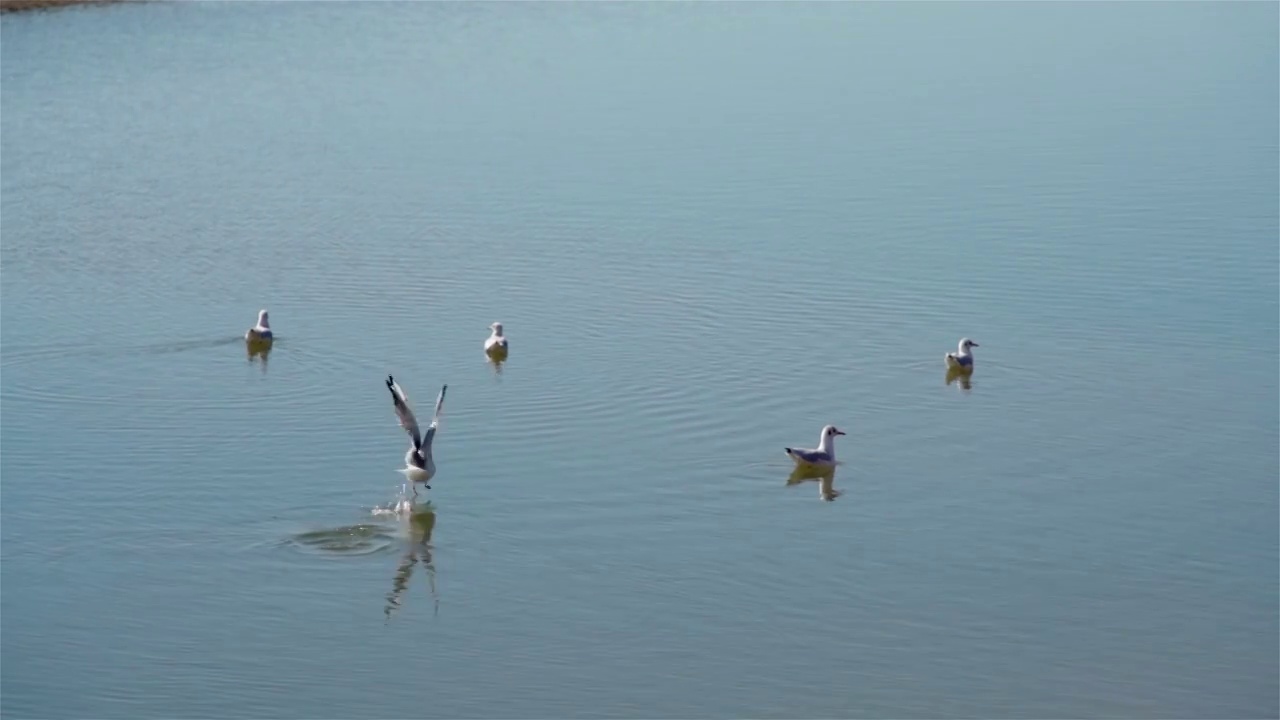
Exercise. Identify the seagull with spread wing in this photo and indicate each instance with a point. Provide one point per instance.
(418, 457)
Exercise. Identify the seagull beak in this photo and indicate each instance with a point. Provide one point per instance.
(975, 344)
(838, 432)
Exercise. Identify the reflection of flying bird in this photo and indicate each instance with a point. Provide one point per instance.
(421, 523)
(824, 454)
(419, 454)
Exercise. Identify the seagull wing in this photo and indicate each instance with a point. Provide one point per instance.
(404, 413)
(435, 419)
(810, 456)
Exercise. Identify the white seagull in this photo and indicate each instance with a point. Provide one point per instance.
(497, 342)
(418, 457)
(824, 454)
(261, 331)
(962, 359)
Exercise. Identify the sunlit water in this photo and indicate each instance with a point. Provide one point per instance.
(709, 229)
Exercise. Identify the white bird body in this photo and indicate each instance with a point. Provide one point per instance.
(260, 332)
(962, 359)
(824, 454)
(497, 342)
(417, 458)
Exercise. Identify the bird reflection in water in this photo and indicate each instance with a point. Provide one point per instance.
(258, 352)
(495, 363)
(421, 522)
(963, 375)
(825, 477)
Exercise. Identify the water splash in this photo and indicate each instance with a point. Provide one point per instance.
(402, 505)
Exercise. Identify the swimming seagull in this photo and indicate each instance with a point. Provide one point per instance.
(824, 454)
(261, 331)
(962, 359)
(418, 457)
(497, 342)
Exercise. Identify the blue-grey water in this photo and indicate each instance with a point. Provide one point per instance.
(709, 229)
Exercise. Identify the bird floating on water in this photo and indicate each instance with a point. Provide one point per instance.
(260, 332)
(962, 359)
(497, 342)
(418, 457)
(824, 454)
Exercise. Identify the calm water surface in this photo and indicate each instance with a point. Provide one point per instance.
(709, 230)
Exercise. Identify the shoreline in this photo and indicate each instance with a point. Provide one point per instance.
(8, 6)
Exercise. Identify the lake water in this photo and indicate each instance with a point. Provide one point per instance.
(709, 229)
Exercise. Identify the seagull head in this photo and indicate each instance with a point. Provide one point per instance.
(262, 318)
(496, 327)
(830, 431)
(966, 343)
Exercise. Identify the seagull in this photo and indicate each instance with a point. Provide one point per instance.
(418, 457)
(824, 454)
(497, 342)
(962, 359)
(260, 332)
